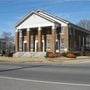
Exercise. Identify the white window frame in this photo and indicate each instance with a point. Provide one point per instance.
(48, 44)
(57, 48)
(62, 44)
(62, 30)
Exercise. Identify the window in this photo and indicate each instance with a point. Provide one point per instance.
(62, 44)
(79, 41)
(88, 42)
(62, 29)
(48, 44)
(24, 33)
(57, 45)
(20, 45)
(71, 31)
(31, 44)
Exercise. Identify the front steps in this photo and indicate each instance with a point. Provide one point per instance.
(30, 54)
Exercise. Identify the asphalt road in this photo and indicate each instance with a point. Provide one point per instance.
(44, 77)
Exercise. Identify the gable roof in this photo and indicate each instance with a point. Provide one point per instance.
(42, 14)
(49, 17)
(63, 20)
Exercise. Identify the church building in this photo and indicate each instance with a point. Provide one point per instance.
(40, 31)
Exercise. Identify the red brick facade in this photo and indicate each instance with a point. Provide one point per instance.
(50, 38)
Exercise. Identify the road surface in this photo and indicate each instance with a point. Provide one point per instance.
(15, 76)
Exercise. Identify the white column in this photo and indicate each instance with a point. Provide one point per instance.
(36, 42)
(20, 40)
(20, 33)
(39, 39)
(43, 45)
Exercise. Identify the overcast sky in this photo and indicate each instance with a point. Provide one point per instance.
(12, 10)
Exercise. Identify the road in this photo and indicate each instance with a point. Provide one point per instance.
(15, 76)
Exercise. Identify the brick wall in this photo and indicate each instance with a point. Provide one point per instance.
(17, 41)
(65, 37)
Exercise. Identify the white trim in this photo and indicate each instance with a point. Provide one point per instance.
(43, 45)
(17, 30)
(24, 41)
(35, 21)
(57, 50)
(20, 32)
(39, 28)
(65, 49)
(56, 40)
(53, 27)
(28, 29)
(36, 42)
(57, 19)
(62, 30)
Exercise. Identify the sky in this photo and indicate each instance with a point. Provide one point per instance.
(12, 11)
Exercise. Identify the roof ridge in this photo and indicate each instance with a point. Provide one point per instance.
(53, 16)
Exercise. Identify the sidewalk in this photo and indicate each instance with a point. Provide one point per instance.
(78, 60)
(59, 60)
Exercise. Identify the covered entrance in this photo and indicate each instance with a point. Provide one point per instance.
(42, 47)
(38, 34)
(43, 39)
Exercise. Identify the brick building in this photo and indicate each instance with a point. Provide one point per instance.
(41, 32)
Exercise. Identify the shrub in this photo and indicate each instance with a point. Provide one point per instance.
(51, 55)
(3, 53)
(68, 54)
(71, 55)
(9, 54)
(64, 54)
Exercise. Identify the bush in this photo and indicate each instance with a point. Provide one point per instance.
(9, 54)
(64, 54)
(68, 54)
(3, 53)
(71, 55)
(51, 55)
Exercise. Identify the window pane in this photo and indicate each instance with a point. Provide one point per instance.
(62, 44)
(62, 29)
(48, 44)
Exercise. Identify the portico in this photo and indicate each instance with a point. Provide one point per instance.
(38, 39)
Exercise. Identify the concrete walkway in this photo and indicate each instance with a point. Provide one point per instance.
(78, 60)
(59, 60)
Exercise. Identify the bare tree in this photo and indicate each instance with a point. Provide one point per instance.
(84, 24)
(9, 39)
